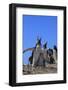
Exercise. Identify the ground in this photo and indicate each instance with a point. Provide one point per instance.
(28, 69)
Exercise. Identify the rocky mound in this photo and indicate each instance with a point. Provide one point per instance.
(28, 69)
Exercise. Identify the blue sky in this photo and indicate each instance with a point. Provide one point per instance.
(43, 26)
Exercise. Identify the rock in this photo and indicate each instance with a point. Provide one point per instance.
(29, 70)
